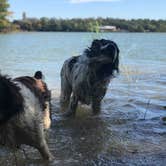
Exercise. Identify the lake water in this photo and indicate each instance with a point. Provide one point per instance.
(129, 125)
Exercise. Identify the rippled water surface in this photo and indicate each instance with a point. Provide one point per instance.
(129, 130)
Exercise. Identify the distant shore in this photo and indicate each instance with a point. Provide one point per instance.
(89, 25)
(85, 25)
(21, 31)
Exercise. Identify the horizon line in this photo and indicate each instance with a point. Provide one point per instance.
(69, 18)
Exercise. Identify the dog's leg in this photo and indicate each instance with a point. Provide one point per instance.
(96, 106)
(42, 146)
(44, 150)
(65, 95)
(35, 136)
(37, 140)
(72, 107)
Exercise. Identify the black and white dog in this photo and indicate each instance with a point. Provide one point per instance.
(22, 107)
(85, 78)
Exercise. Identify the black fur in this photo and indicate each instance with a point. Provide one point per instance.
(11, 101)
(85, 78)
(72, 62)
(38, 75)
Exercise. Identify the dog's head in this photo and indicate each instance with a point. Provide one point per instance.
(104, 54)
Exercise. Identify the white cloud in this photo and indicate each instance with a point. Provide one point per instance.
(85, 1)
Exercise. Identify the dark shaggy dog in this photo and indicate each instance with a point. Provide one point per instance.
(85, 78)
(22, 107)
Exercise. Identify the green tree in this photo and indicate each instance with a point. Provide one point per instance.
(4, 23)
(90, 24)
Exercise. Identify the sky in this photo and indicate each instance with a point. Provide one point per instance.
(127, 9)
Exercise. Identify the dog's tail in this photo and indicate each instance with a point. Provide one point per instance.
(11, 101)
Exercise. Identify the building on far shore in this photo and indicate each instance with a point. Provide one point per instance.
(24, 17)
(108, 28)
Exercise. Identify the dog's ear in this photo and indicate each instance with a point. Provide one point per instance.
(38, 75)
(115, 45)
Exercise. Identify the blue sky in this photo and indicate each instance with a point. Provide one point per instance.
(152, 9)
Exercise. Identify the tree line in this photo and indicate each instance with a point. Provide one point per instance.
(89, 24)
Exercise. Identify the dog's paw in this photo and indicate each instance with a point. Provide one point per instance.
(50, 158)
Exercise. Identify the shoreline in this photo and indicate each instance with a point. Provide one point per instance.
(126, 32)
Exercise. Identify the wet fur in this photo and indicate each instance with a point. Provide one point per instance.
(85, 78)
(21, 115)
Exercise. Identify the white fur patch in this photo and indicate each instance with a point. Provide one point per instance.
(31, 103)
